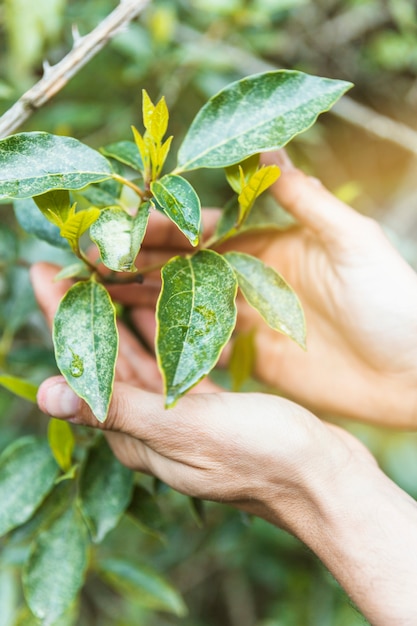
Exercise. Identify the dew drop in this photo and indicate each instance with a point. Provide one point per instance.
(76, 365)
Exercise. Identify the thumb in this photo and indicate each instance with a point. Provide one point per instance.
(310, 203)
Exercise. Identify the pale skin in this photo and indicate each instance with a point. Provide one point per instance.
(265, 454)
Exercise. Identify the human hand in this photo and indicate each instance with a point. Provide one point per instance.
(264, 455)
(359, 298)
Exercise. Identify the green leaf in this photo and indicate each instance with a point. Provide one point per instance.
(267, 292)
(242, 359)
(143, 585)
(259, 113)
(34, 163)
(9, 596)
(119, 237)
(55, 205)
(105, 489)
(86, 342)
(27, 474)
(18, 386)
(125, 152)
(196, 314)
(54, 573)
(178, 200)
(9, 248)
(145, 512)
(61, 441)
(34, 223)
(78, 269)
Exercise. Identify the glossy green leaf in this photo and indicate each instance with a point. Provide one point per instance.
(119, 237)
(105, 489)
(34, 163)
(86, 342)
(242, 359)
(55, 205)
(27, 474)
(18, 386)
(61, 441)
(34, 223)
(259, 113)
(178, 200)
(268, 293)
(54, 573)
(143, 585)
(196, 314)
(126, 152)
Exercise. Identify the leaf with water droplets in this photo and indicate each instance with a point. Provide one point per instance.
(258, 113)
(86, 342)
(196, 314)
(178, 200)
(34, 163)
(119, 237)
(268, 293)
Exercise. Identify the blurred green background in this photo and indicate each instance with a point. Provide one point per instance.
(232, 571)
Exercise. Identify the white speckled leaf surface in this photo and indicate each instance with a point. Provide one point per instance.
(34, 163)
(179, 201)
(196, 314)
(260, 113)
(268, 293)
(86, 343)
(119, 237)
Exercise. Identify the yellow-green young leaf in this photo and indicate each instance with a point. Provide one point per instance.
(177, 199)
(86, 342)
(34, 222)
(119, 237)
(105, 490)
(143, 585)
(258, 113)
(267, 292)
(18, 386)
(77, 224)
(257, 184)
(61, 441)
(143, 150)
(242, 359)
(54, 572)
(159, 121)
(233, 173)
(34, 163)
(27, 474)
(148, 109)
(196, 314)
(55, 205)
(161, 154)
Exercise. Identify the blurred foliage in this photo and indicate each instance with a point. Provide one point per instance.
(232, 571)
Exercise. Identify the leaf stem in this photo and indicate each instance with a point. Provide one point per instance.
(129, 183)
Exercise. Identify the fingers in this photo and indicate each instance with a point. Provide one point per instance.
(310, 203)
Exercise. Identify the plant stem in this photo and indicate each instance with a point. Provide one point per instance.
(129, 183)
(57, 76)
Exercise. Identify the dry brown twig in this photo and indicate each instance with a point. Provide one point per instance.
(57, 76)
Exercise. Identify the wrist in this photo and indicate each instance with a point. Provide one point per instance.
(362, 527)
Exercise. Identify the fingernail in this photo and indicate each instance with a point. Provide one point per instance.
(58, 400)
(315, 181)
